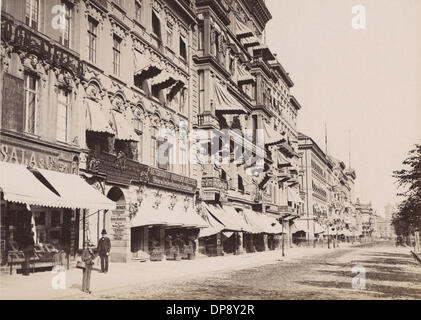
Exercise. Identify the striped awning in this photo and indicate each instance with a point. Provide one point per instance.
(293, 196)
(49, 188)
(97, 119)
(271, 137)
(224, 101)
(244, 76)
(124, 128)
(241, 30)
(146, 66)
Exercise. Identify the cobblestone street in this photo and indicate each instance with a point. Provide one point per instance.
(391, 273)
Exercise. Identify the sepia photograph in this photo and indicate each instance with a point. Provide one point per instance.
(210, 150)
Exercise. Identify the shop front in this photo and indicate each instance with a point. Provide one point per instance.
(42, 202)
(156, 216)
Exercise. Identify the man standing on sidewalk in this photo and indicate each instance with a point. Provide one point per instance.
(104, 247)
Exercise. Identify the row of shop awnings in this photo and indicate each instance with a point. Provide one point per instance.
(48, 188)
(176, 215)
(227, 218)
(111, 122)
(303, 225)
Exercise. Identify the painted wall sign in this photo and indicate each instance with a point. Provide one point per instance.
(36, 156)
(134, 172)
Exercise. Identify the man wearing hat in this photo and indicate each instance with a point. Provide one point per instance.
(104, 247)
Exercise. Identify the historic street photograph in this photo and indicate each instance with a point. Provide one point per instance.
(210, 150)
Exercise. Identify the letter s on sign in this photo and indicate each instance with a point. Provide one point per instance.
(359, 21)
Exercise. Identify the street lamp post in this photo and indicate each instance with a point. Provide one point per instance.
(283, 239)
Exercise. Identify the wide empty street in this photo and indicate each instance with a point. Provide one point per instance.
(381, 271)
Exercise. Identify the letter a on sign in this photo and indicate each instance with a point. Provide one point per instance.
(359, 20)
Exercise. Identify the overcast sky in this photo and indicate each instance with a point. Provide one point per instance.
(367, 81)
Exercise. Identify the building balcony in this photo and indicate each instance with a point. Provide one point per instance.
(214, 183)
(207, 121)
(219, 7)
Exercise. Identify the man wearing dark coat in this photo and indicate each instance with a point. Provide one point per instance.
(104, 247)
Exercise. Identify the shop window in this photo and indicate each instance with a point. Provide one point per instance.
(39, 218)
(31, 102)
(65, 36)
(156, 25)
(62, 115)
(183, 49)
(55, 218)
(92, 39)
(32, 13)
(116, 55)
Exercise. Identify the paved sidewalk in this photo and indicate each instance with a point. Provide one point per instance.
(39, 285)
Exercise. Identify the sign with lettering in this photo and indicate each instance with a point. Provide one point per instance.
(169, 180)
(129, 172)
(36, 156)
(119, 223)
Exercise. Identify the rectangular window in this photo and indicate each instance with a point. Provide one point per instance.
(92, 39)
(156, 25)
(183, 161)
(183, 49)
(116, 55)
(31, 97)
(62, 115)
(138, 10)
(169, 37)
(153, 148)
(66, 31)
(201, 90)
(201, 39)
(32, 13)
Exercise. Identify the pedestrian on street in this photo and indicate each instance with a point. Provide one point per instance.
(28, 251)
(88, 259)
(104, 248)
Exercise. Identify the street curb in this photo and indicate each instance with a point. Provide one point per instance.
(416, 256)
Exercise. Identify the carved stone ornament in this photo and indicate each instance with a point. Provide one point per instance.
(157, 201)
(173, 201)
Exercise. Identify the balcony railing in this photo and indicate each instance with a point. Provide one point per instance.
(214, 182)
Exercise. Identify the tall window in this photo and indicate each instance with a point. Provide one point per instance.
(183, 161)
(183, 100)
(201, 39)
(92, 39)
(201, 90)
(240, 184)
(31, 96)
(116, 55)
(62, 115)
(169, 37)
(32, 13)
(138, 127)
(156, 25)
(153, 148)
(138, 10)
(66, 31)
(183, 49)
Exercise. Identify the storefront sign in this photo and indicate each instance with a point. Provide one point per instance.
(119, 223)
(36, 156)
(134, 172)
(171, 180)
